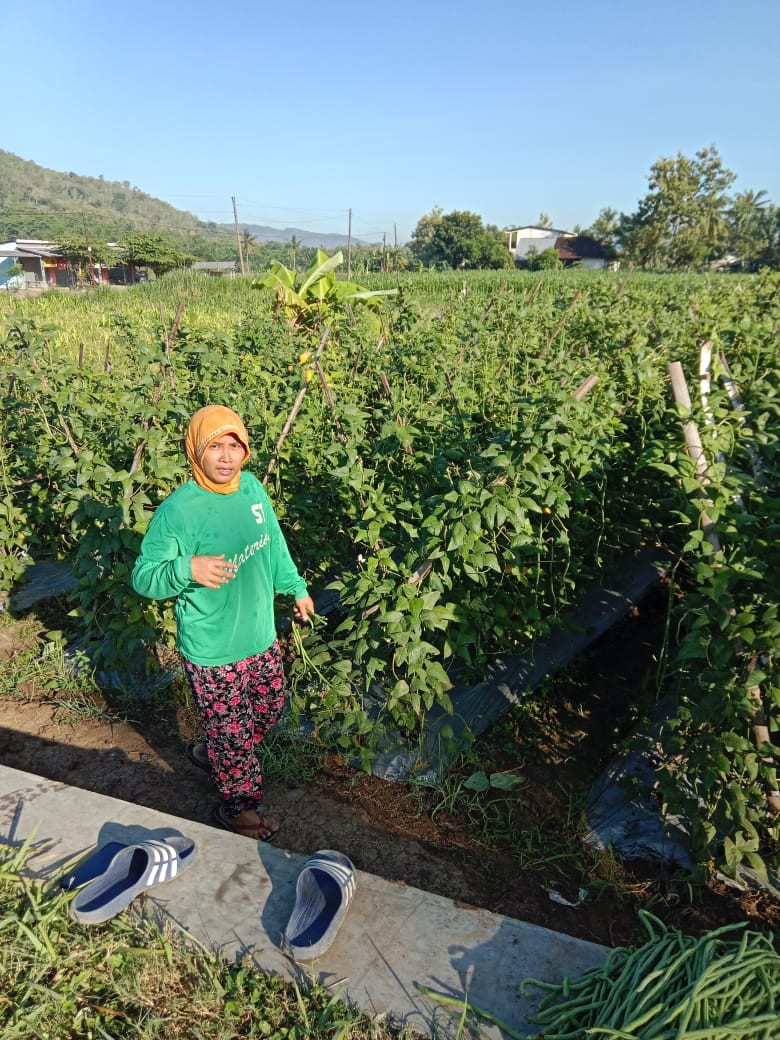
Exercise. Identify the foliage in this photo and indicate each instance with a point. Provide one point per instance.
(680, 223)
(458, 240)
(754, 227)
(447, 476)
(547, 260)
(315, 297)
(154, 251)
(605, 229)
(727, 672)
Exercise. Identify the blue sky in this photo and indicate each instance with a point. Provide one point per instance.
(507, 108)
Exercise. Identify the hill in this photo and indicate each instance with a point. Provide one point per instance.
(36, 202)
(305, 238)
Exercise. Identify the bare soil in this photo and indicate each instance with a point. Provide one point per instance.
(412, 835)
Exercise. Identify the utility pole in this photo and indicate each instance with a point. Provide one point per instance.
(238, 237)
(89, 250)
(349, 248)
(384, 252)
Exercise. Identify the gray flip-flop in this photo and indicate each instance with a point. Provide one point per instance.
(323, 892)
(130, 871)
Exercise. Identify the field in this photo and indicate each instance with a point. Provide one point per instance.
(466, 455)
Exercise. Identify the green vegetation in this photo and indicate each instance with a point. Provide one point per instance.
(457, 462)
(687, 219)
(724, 985)
(458, 240)
(127, 978)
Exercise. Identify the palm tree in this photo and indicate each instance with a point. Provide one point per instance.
(295, 245)
(248, 243)
(748, 233)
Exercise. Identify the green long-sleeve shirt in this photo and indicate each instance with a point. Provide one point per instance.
(235, 621)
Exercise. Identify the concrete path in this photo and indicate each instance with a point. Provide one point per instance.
(237, 896)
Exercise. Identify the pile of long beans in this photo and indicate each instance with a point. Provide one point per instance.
(720, 986)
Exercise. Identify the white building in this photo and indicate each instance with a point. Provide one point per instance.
(572, 249)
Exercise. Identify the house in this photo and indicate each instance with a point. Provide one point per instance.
(572, 248)
(582, 250)
(39, 262)
(217, 268)
(538, 238)
(45, 267)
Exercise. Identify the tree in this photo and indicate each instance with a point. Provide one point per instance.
(457, 240)
(547, 260)
(681, 222)
(154, 251)
(750, 227)
(295, 245)
(248, 243)
(544, 221)
(422, 236)
(605, 228)
(83, 257)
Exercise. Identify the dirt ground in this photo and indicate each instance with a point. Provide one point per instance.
(416, 836)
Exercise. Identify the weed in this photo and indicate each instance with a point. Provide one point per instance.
(129, 978)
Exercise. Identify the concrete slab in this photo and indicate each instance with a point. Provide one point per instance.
(237, 896)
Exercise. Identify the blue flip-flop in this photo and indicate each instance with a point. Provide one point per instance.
(323, 892)
(111, 882)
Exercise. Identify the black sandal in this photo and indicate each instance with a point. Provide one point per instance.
(260, 831)
(189, 750)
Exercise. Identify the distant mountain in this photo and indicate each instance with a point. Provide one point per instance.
(36, 202)
(305, 238)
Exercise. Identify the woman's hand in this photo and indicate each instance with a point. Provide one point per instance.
(303, 608)
(213, 571)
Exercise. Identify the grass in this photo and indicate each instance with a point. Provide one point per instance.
(32, 670)
(130, 978)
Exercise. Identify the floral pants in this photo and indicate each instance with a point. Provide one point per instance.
(238, 704)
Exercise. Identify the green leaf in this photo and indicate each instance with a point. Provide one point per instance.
(477, 782)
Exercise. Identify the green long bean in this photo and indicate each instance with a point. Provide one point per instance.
(724, 985)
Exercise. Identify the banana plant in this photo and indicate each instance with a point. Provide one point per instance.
(315, 297)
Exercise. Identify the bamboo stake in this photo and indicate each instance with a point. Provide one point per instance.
(760, 728)
(760, 725)
(293, 412)
(448, 381)
(141, 448)
(736, 403)
(693, 445)
(491, 303)
(68, 434)
(585, 387)
(560, 324)
(331, 403)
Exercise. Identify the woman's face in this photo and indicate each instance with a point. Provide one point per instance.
(223, 458)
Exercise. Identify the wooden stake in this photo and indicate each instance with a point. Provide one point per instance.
(585, 387)
(331, 403)
(560, 324)
(293, 412)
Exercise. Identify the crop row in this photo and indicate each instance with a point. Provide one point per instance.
(463, 462)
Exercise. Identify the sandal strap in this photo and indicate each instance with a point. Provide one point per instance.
(338, 871)
(163, 859)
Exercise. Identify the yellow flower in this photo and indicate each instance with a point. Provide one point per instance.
(304, 357)
(308, 375)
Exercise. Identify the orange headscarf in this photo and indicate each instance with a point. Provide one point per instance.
(213, 421)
